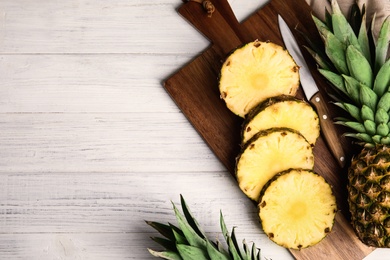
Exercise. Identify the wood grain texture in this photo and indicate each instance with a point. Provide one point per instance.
(86, 26)
(329, 132)
(74, 142)
(110, 83)
(91, 144)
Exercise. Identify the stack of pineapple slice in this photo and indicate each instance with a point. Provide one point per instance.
(275, 167)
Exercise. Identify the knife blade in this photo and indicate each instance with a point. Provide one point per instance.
(312, 93)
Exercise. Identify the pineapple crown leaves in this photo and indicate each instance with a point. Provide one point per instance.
(356, 65)
(188, 241)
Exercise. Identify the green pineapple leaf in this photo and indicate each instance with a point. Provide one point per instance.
(165, 230)
(372, 30)
(190, 234)
(384, 102)
(341, 119)
(382, 129)
(368, 97)
(255, 252)
(382, 45)
(370, 127)
(190, 219)
(246, 248)
(335, 79)
(385, 140)
(363, 39)
(367, 113)
(169, 245)
(214, 253)
(192, 252)
(365, 138)
(382, 80)
(356, 126)
(319, 59)
(240, 252)
(180, 238)
(169, 255)
(381, 116)
(234, 252)
(335, 50)
(341, 28)
(322, 28)
(316, 51)
(358, 66)
(353, 110)
(352, 87)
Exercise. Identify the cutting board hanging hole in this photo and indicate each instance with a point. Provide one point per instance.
(207, 6)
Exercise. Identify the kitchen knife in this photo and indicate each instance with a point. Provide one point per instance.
(312, 93)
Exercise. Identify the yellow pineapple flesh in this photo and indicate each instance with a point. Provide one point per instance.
(297, 208)
(255, 72)
(269, 152)
(283, 111)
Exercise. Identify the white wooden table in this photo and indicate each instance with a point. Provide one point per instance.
(91, 145)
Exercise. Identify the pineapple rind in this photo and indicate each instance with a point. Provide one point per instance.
(297, 208)
(368, 195)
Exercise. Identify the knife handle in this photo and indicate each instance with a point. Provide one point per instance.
(328, 129)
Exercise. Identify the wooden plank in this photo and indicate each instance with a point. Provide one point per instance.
(195, 90)
(101, 142)
(70, 83)
(88, 26)
(97, 246)
(84, 202)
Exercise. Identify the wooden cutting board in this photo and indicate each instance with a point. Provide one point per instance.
(194, 88)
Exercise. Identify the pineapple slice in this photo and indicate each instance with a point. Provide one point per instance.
(283, 111)
(269, 152)
(297, 208)
(255, 72)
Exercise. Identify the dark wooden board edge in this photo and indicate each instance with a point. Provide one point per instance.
(201, 104)
(205, 110)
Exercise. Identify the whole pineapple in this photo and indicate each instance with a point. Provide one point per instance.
(356, 64)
